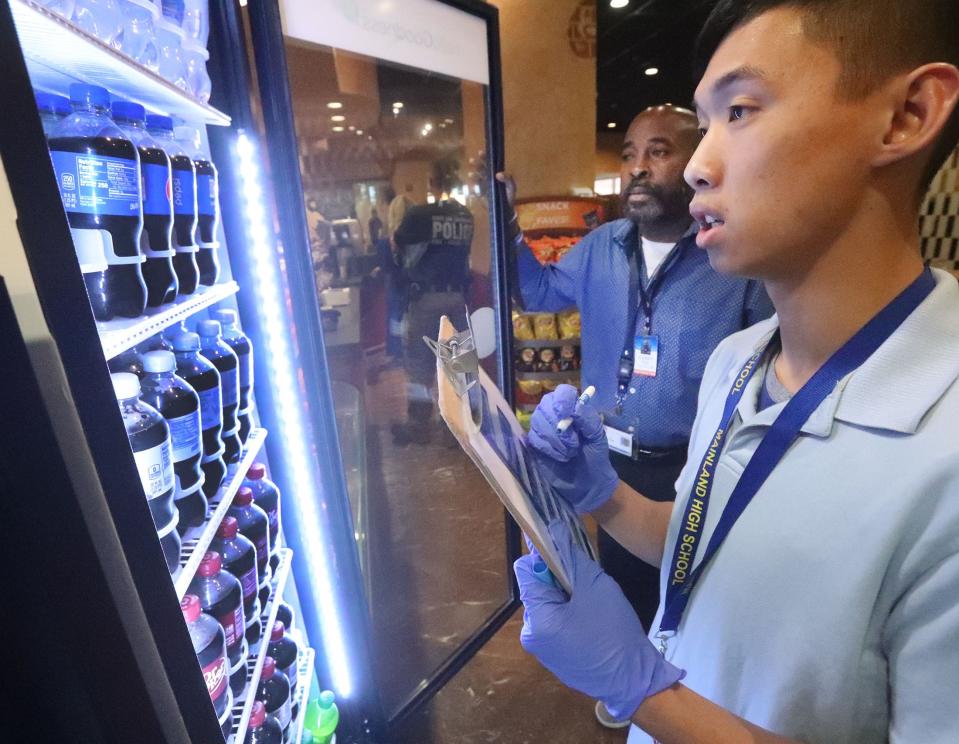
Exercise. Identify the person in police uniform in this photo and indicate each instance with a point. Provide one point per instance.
(433, 242)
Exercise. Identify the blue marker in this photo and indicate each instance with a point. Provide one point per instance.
(542, 573)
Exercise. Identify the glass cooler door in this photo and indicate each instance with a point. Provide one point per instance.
(381, 110)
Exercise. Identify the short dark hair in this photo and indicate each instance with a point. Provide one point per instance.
(874, 40)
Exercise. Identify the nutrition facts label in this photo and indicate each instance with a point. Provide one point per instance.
(97, 184)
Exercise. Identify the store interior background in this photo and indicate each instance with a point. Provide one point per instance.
(429, 530)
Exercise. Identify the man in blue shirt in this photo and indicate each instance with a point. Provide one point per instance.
(651, 303)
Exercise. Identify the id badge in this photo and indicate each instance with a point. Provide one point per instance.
(646, 356)
(619, 441)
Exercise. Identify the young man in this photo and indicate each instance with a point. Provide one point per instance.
(822, 489)
(652, 312)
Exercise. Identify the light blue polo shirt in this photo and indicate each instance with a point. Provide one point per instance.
(831, 612)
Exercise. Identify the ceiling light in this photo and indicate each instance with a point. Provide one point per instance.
(612, 125)
(428, 127)
(351, 127)
(334, 105)
(359, 131)
(448, 121)
(338, 117)
(618, 3)
(397, 104)
(337, 129)
(650, 71)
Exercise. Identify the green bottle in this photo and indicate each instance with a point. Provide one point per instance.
(329, 717)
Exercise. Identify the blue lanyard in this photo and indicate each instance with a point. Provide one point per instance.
(646, 296)
(780, 436)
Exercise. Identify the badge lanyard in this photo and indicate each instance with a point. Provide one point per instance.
(646, 296)
(780, 436)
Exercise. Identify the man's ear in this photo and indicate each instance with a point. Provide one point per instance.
(925, 99)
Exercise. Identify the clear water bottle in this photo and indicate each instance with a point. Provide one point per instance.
(138, 37)
(196, 21)
(197, 78)
(170, 45)
(100, 18)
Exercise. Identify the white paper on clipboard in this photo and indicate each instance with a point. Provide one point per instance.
(486, 428)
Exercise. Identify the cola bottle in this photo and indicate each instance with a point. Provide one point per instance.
(52, 108)
(222, 357)
(266, 496)
(239, 558)
(222, 598)
(183, 188)
(284, 613)
(127, 361)
(285, 651)
(155, 181)
(207, 204)
(179, 404)
(205, 380)
(149, 438)
(98, 174)
(243, 348)
(263, 729)
(274, 692)
(209, 644)
(254, 525)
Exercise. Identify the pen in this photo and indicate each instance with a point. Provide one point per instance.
(583, 400)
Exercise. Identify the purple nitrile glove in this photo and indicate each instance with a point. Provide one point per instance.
(592, 641)
(576, 461)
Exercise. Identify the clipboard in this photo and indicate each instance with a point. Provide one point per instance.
(485, 426)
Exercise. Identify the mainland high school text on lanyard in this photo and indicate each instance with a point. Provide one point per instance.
(641, 350)
(783, 432)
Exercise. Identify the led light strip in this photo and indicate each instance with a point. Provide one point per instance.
(270, 306)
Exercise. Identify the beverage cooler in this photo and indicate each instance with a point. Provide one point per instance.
(232, 511)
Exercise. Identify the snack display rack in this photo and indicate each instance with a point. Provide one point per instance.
(547, 346)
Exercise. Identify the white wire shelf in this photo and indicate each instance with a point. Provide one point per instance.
(116, 336)
(301, 696)
(243, 705)
(58, 54)
(197, 540)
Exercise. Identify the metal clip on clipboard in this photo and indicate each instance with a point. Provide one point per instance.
(459, 358)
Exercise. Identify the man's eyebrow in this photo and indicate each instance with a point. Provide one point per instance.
(651, 141)
(740, 74)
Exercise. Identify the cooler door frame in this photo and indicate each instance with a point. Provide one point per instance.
(274, 90)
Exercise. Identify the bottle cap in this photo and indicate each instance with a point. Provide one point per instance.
(257, 471)
(190, 607)
(207, 328)
(52, 102)
(243, 497)
(227, 528)
(278, 630)
(157, 362)
(210, 565)
(188, 341)
(158, 121)
(225, 316)
(257, 715)
(327, 698)
(127, 111)
(269, 667)
(125, 385)
(92, 95)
